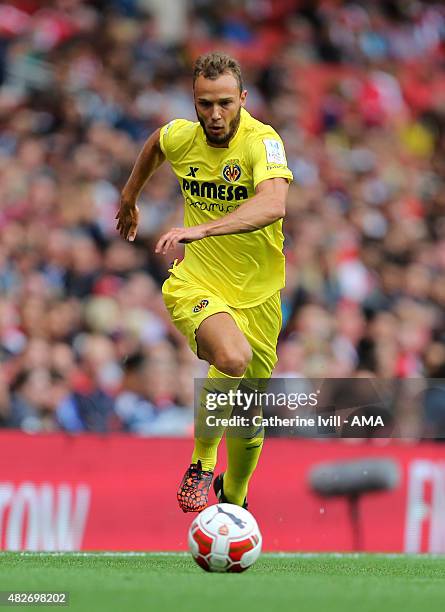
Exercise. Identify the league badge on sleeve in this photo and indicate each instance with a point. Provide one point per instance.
(274, 151)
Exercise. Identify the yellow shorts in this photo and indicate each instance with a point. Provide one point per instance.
(189, 305)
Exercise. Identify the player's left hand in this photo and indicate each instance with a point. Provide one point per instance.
(170, 239)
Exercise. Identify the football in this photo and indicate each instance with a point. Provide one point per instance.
(225, 538)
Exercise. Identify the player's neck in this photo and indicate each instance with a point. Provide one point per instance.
(224, 145)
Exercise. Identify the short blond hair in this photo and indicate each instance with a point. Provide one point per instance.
(212, 65)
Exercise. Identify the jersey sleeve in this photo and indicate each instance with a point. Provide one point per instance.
(269, 158)
(171, 138)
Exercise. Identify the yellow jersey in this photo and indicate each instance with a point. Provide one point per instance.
(244, 269)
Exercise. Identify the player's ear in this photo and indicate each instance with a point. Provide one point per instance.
(243, 97)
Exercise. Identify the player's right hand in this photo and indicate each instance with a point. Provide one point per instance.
(127, 219)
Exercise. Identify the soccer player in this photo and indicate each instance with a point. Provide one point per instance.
(224, 296)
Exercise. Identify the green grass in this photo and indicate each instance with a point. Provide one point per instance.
(167, 582)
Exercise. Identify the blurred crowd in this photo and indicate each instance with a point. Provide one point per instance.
(356, 90)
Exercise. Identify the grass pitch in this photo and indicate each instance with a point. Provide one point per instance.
(173, 582)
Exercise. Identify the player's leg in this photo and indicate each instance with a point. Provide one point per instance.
(212, 333)
(244, 447)
(222, 344)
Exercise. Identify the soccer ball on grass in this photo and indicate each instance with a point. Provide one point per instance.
(225, 538)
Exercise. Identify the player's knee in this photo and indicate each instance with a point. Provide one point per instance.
(234, 361)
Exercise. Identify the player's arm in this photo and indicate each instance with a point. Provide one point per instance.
(148, 160)
(265, 207)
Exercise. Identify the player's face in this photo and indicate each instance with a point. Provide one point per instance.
(218, 105)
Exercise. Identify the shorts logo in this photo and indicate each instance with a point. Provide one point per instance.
(202, 304)
(232, 171)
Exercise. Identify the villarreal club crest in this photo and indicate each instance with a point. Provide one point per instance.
(231, 171)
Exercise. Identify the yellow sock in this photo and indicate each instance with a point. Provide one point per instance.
(242, 459)
(206, 439)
